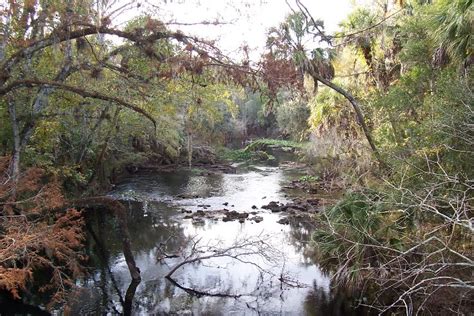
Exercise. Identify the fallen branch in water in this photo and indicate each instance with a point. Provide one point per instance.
(199, 293)
(254, 251)
(240, 251)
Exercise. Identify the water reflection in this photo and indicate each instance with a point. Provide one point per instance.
(157, 227)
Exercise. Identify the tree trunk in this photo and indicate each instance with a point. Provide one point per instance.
(90, 137)
(41, 101)
(355, 105)
(190, 149)
(15, 162)
(100, 158)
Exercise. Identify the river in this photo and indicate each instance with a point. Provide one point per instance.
(259, 268)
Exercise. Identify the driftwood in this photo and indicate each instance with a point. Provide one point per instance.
(200, 293)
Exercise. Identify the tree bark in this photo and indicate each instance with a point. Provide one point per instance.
(15, 161)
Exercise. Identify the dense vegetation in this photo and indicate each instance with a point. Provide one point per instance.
(385, 107)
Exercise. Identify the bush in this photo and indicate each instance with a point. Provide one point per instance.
(292, 118)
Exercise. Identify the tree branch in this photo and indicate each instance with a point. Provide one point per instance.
(84, 93)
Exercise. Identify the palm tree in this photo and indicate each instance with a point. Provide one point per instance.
(454, 22)
(317, 62)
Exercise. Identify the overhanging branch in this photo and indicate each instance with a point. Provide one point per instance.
(82, 92)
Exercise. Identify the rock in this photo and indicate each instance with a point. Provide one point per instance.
(294, 206)
(204, 205)
(225, 204)
(186, 211)
(284, 221)
(254, 207)
(198, 221)
(273, 206)
(264, 198)
(234, 215)
(243, 215)
(200, 213)
(241, 220)
(253, 213)
(256, 219)
(188, 217)
(209, 215)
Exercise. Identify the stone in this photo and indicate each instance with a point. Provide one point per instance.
(234, 215)
(284, 221)
(273, 206)
(256, 219)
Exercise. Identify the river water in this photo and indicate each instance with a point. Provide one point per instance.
(271, 272)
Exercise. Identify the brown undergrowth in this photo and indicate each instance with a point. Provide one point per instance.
(36, 237)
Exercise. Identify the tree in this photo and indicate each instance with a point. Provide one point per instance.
(74, 46)
(454, 21)
(316, 62)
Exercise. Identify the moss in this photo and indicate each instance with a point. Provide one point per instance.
(236, 155)
(262, 143)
